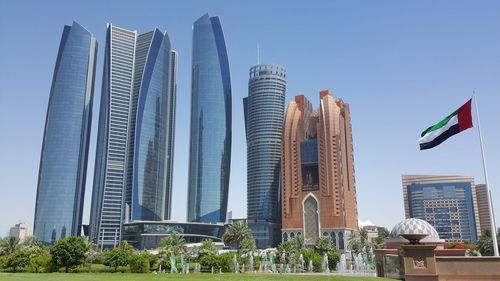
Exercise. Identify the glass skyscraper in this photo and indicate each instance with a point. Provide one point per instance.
(210, 143)
(448, 203)
(264, 113)
(133, 171)
(63, 161)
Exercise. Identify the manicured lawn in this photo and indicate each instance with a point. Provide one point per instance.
(188, 277)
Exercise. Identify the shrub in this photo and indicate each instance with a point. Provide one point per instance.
(17, 259)
(316, 258)
(139, 263)
(119, 256)
(207, 262)
(333, 259)
(41, 263)
(226, 261)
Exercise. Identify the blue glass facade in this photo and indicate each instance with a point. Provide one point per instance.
(63, 161)
(133, 171)
(448, 207)
(264, 114)
(210, 143)
(150, 199)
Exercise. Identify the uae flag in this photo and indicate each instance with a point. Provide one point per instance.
(458, 121)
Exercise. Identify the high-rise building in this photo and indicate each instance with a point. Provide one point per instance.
(264, 113)
(133, 171)
(210, 140)
(483, 208)
(446, 202)
(20, 230)
(63, 160)
(317, 172)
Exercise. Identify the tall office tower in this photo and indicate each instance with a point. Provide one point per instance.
(446, 202)
(133, 171)
(210, 143)
(317, 175)
(264, 113)
(63, 161)
(482, 208)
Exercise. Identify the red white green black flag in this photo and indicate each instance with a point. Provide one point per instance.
(458, 121)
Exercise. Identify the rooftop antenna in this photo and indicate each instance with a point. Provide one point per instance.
(258, 55)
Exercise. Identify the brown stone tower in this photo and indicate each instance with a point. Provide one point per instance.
(318, 186)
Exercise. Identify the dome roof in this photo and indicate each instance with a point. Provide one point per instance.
(414, 226)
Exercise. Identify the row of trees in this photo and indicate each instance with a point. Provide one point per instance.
(73, 252)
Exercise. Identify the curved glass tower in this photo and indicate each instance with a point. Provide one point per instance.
(63, 161)
(210, 143)
(133, 171)
(264, 114)
(151, 200)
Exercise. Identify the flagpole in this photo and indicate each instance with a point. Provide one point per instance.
(490, 202)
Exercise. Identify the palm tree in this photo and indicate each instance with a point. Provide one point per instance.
(8, 245)
(298, 243)
(235, 233)
(173, 245)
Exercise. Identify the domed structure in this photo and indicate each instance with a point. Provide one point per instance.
(413, 226)
(416, 227)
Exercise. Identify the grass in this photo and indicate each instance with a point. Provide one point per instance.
(188, 277)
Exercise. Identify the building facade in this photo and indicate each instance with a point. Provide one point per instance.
(210, 137)
(317, 175)
(20, 231)
(264, 114)
(448, 203)
(483, 210)
(63, 160)
(133, 170)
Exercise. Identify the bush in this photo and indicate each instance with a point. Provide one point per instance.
(139, 263)
(41, 263)
(333, 259)
(222, 261)
(17, 259)
(316, 258)
(226, 261)
(119, 256)
(207, 262)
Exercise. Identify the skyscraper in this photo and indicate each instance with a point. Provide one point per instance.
(317, 176)
(483, 210)
(446, 202)
(63, 161)
(133, 171)
(210, 140)
(264, 113)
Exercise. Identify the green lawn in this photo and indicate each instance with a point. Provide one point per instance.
(188, 277)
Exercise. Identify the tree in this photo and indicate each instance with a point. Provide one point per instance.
(119, 256)
(68, 252)
(235, 233)
(8, 245)
(248, 246)
(38, 253)
(324, 245)
(17, 259)
(382, 238)
(298, 243)
(92, 254)
(207, 248)
(285, 247)
(172, 245)
(485, 243)
(140, 262)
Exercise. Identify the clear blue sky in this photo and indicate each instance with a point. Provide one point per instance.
(402, 66)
